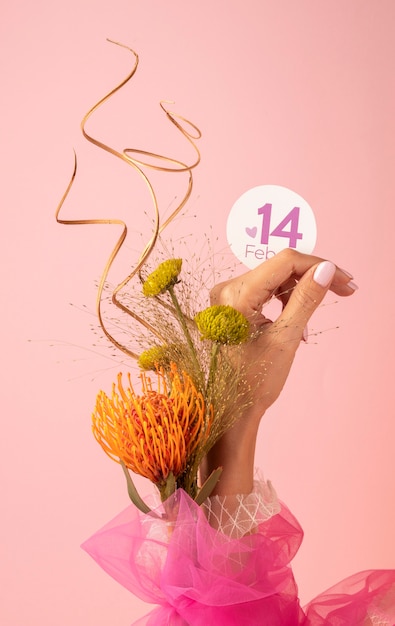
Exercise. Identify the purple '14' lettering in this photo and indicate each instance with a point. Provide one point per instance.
(292, 218)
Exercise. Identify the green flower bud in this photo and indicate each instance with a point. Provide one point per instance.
(165, 276)
(222, 324)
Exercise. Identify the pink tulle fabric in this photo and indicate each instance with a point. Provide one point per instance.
(199, 576)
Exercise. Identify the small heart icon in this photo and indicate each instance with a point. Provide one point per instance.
(251, 232)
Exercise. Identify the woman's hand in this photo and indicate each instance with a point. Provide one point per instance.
(300, 282)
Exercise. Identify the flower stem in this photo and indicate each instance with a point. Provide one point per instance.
(181, 319)
(213, 366)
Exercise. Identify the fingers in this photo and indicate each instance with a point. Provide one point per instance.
(249, 292)
(276, 276)
(308, 295)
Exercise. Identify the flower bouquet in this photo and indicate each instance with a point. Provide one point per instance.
(164, 432)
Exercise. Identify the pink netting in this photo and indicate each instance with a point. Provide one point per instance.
(199, 576)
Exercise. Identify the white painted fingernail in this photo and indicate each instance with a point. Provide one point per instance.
(324, 273)
(305, 334)
(352, 285)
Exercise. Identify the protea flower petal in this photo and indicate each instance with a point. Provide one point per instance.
(155, 433)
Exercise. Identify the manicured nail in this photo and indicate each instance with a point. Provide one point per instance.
(305, 334)
(324, 273)
(352, 285)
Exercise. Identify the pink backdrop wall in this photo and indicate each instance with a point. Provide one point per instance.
(299, 94)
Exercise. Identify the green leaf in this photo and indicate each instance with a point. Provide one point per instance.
(168, 488)
(133, 493)
(208, 486)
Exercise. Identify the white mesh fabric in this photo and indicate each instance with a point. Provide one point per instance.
(239, 515)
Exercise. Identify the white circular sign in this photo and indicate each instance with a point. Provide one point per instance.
(267, 219)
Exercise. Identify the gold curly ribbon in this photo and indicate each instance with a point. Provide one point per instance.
(136, 159)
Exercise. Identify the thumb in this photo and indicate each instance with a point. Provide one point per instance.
(305, 299)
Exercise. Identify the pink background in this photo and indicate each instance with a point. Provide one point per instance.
(299, 94)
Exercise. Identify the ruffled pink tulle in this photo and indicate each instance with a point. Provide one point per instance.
(200, 577)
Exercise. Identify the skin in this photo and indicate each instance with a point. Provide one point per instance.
(292, 278)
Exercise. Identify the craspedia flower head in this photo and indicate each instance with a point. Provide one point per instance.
(165, 276)
(222, 323)
(154, 358)
(154, 433)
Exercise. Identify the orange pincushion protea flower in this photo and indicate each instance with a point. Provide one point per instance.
(157, 433)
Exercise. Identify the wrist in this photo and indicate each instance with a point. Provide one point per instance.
(235, 453)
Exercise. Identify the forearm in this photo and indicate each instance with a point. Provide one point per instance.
(235, 453)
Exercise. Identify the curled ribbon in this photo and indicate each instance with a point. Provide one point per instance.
(137, 159)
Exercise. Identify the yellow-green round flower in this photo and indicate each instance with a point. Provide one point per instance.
(151, 359)
(165, 276)
(223, 324)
